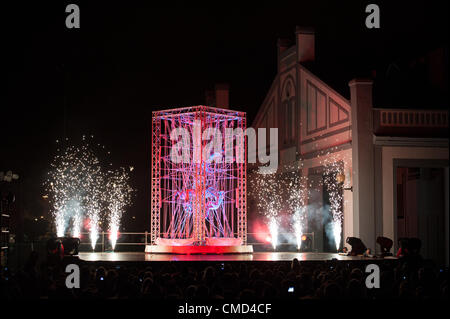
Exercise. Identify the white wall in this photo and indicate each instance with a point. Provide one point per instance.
(389, 153)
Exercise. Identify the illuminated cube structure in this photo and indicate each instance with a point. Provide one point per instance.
(198, 199)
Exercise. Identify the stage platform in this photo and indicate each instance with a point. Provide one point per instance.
(192, 249)
(257, 256)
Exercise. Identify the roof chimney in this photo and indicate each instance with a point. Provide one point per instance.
(219, 97)
(222, 95)
(305, 44)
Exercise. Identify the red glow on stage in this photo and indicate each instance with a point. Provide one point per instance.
(194, 249)
(261, 232)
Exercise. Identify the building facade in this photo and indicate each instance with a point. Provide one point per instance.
(372, 146)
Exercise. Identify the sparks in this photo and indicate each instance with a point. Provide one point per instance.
(93, 231)
(298, 198)
(78, 188)
(118, 196)
(277, 192)
(273, 228)
(268, 191)
(60, 223)
(337, 233)
(333, 167)
(299, 227)
(68, 185)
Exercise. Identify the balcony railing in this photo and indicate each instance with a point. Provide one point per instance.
(411, 118)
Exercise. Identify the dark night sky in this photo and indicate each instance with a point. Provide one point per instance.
(130, 58)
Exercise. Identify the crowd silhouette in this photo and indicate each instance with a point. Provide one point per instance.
(403, 279)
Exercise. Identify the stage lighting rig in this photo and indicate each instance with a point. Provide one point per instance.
(70, 245)
(385, 245)
(63, 246)
(358, 247)
(340, 179)
(307, 242)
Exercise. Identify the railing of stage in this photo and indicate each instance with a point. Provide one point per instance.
(127, 242)
(143, 238)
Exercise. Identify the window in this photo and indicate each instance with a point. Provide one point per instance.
(292, 119)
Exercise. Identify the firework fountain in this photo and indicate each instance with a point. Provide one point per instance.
(118, 194)
(60, 221)
(298, 224)
(77, 223)
(289, 191)
(273, 229)
(79, 189)
(298, 196)
(269, 190)
(76, 211)
(276, 192)
(94, 201)
(332, 168)
(68, 183)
